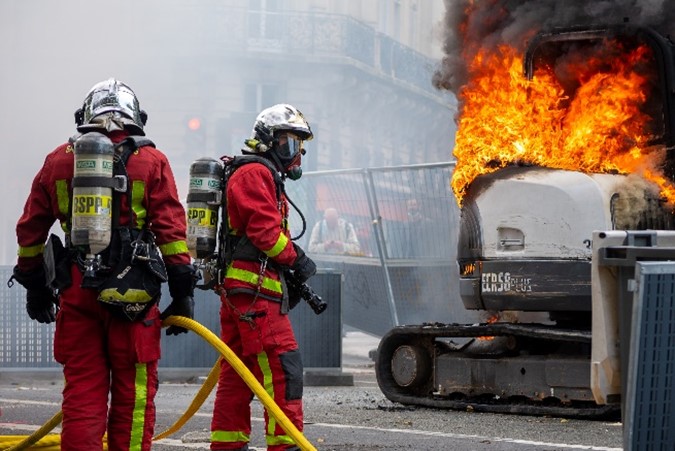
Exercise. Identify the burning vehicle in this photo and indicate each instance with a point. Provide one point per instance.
(573, 135)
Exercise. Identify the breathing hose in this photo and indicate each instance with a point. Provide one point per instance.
(39, 440)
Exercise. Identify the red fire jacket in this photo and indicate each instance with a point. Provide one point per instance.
(154, 201)
(253, 210)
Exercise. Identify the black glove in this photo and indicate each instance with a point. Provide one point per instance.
(303, 266)
(294, 295)
(182, 280)
(40, 300)
(31, 280)
(40, 305)
(184, 306)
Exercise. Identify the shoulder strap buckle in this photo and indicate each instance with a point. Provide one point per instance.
(120, 183)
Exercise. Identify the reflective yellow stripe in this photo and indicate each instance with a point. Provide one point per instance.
(252, 278)
(137, 194)
(266, 371)
(279, 246)
(177, 247)
(131, 295)
(63, 201)
(30, 251)
(138, 416)
(229, 436)
(278, 439)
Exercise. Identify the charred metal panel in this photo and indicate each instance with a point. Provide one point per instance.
(536, 285)
(470, 242)
(536, 377)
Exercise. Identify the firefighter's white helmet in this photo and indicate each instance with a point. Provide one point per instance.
(278, 118)
(114, 98)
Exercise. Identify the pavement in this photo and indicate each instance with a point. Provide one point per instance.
(350, 415)
(357, 349)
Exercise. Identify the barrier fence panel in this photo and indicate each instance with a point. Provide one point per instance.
(404, 271)
(190, 350)
(320, 336)
(418, 210)
(25, 343)
(406, 220)
(650, 399)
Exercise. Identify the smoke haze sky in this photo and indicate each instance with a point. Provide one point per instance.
(493, 22)
(54, 51)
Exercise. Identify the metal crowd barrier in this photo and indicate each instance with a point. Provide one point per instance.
(27, 344)
(633, 349)
(405, 271)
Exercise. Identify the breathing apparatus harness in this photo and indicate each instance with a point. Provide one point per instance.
(231, 247)
(129, 271)
(119, 183)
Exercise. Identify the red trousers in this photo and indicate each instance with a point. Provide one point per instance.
(105, 357)
(266, 344)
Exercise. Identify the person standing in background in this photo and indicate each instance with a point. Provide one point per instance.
(334, 235)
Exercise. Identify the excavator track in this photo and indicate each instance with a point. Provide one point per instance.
(422, 366)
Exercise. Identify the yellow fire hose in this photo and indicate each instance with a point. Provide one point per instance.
(40, 441)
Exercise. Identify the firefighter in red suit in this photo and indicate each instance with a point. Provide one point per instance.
(253, 316)
(105, 355)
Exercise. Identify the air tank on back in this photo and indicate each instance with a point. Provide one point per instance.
(203, 204)
(92, 193)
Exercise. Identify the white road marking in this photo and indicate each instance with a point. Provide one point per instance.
(466, 436)
(27, 401)
(175, 442)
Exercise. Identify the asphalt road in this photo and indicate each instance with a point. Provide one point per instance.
(342, 417)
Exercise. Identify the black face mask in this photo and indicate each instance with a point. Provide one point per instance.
(293, 168)
(294, 173)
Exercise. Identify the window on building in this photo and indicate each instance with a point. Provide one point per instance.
(261, 95)
(383, 12)
(396, 22)
(263, 19)
(310, 162)
(414, 18)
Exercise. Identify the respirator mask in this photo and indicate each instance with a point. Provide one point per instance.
(290, 153)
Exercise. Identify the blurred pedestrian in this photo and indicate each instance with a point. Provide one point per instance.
(334, 235)
(422, 239)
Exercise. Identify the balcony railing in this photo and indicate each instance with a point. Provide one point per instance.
(326, 38)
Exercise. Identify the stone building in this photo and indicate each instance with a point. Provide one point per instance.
(360, 71)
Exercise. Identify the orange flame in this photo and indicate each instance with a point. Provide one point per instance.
(491, 320)
(598, 128)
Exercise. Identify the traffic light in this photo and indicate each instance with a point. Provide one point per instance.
(195, 134)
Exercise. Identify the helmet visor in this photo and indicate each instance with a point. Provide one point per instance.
(291, 147)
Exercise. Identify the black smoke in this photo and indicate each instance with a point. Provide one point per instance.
(470, 25)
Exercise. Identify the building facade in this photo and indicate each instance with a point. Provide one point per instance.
(360, 71)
